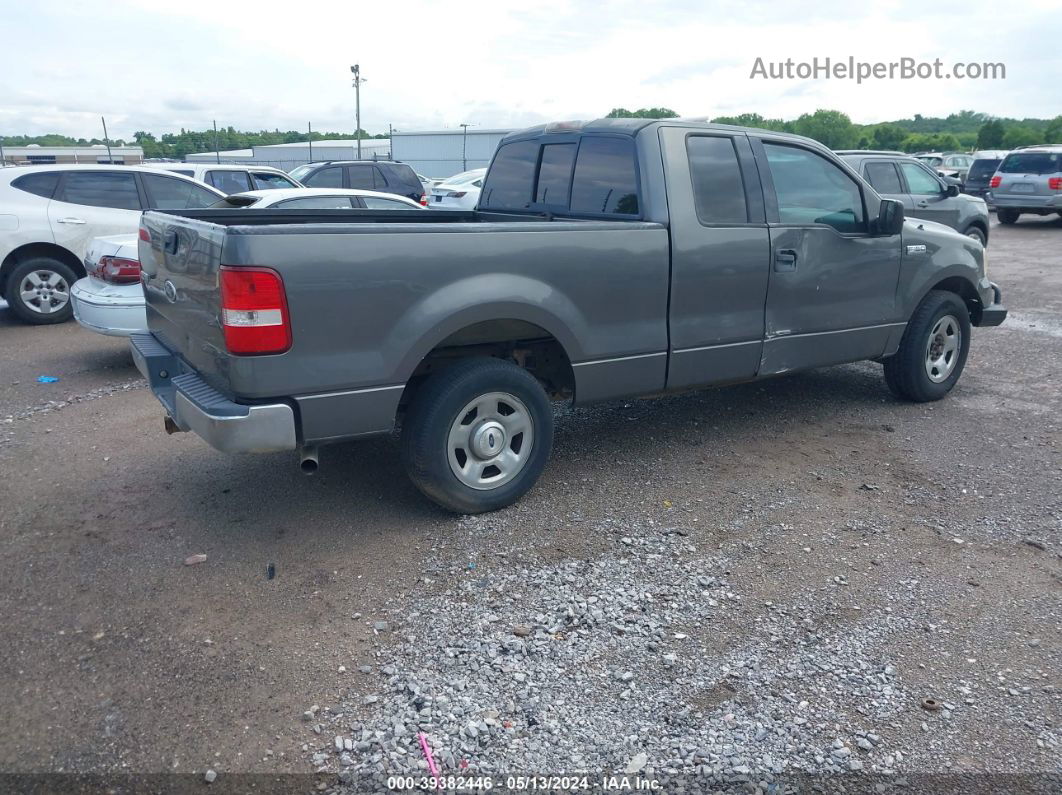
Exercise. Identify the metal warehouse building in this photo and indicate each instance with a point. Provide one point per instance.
(92, 154)
(443, 153)
(287, 156)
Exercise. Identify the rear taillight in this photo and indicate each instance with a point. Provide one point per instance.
(994, 182)
(423, 201)
(1054, 183)
(117, 270)
(145, 235)
(254, 311)
(456, 194)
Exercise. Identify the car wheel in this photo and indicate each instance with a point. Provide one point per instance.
(1007, 216)
(976, 233)
(38, 291)
(477, 435)
(933, 350)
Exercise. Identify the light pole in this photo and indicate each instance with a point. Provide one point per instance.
(464, 146)
(358, 80)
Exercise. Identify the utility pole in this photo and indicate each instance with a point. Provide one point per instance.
(3, 160)
(358, 80)
(217, 149)
(309, 137)
(107, 141)
(464, 146)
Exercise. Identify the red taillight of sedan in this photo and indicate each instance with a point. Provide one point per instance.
(424, 201)
(117, 270)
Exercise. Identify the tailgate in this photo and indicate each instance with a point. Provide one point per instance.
(179, 266)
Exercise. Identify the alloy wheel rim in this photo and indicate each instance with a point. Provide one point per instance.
(44, 292)
(942, 348)
(490, 441)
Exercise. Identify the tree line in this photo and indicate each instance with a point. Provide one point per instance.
(962, 131)
(177, 145)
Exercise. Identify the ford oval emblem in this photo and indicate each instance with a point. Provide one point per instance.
(171, 291)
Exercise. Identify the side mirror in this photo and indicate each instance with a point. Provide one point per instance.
(890, 217)
(951, 190)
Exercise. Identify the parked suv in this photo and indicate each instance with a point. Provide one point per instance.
(924, 193)
(984, 166)
(1028, 181)
(49, 214)
(231, 179)
(382, 176)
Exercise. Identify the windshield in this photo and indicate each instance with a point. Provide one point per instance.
(465, 178)
(1031, 163)
(299, 171)
(983, 169)
(931, 161)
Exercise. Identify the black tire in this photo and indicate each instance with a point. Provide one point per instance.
(24, 309)
(440, 402)
(906, 372)
(976, 233)
(1007, 216)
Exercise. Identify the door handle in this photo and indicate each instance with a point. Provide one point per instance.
(70, 220)
(923, 204)
(785, 260)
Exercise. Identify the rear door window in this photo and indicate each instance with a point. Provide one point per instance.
(606, 177)
(42, 184)
(379, 203)
(100, 189)
(316, 203)
(718, 189)
(229, 181)
(555, 174)
(365, 178)
(511, 176)
(325, 178)
(167, 193)
(882, 175)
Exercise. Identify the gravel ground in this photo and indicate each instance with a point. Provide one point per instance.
(751, 584)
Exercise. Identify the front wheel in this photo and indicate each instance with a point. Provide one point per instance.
(933, 350)
(976, 233)
(477, 435)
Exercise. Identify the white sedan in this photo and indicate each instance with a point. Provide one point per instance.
(459, 192)
(110, 300)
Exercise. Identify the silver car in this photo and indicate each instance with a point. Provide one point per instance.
(1028, 180)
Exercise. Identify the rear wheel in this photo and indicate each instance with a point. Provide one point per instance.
(477, 435)
(1007, 216)
(38, 291)
(933, 350)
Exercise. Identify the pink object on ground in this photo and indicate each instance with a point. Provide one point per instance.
(427, 755)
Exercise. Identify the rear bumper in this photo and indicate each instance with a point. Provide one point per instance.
(1027, 202)
(994, 313)
(193, 405)
(116, 312)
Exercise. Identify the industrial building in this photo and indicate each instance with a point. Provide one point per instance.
(93, 154)
(443, 153)
(287, 156)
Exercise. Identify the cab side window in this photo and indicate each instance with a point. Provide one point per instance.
(812, 190)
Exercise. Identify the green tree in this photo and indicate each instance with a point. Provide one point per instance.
(829, 127)
(753, 120)
(1053, 133)
(1020, 135)
(642, 113)
(990, 135)
(888, 136)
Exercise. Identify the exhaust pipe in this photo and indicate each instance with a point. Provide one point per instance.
(308, 462)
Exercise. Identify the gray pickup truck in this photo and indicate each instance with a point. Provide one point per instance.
(606, 259)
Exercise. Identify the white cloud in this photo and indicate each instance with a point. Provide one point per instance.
(276, 64)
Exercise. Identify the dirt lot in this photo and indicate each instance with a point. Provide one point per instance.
(921, 538)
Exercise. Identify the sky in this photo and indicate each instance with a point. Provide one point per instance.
(434, 65)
